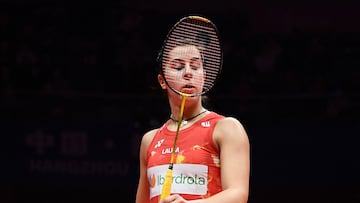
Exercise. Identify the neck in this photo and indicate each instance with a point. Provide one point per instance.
(192, 106)
(185, 121)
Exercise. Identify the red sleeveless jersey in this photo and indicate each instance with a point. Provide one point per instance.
(196, 171)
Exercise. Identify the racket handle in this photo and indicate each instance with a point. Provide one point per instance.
(166, 189)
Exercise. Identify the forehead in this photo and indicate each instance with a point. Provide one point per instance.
(186, 51)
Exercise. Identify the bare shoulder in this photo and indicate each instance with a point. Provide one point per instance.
(229, 123)
(145, 142)
(230, 128)
(148, 137)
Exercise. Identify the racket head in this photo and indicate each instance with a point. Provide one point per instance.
(191, 57)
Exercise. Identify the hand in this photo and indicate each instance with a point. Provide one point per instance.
(174, 199)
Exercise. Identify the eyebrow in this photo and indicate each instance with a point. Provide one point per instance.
(177, 60)
(195, 58)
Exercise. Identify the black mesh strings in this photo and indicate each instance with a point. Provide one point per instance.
(202, 34)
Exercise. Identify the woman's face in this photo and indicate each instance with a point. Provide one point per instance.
(183, 69)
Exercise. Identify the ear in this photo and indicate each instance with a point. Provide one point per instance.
(161, 81)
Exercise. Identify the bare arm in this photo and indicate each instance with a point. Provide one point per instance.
(235, 161)
(143, 192)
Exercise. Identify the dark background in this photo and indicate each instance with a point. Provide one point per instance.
(78, 90)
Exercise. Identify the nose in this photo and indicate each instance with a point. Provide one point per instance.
(187, 71)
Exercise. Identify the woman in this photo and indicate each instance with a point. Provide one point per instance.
(212, 153)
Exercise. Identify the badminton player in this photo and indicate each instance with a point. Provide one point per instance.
(212, 152)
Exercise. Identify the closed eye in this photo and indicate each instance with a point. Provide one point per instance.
(177, 64)
(195, 63)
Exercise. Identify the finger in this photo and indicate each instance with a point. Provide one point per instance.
(169, 199)
(178, 200)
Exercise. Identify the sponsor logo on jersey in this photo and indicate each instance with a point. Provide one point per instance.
(187, 179)
(206, 124)
(159, 143)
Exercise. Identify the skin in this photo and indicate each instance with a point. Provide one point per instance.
(229, 135)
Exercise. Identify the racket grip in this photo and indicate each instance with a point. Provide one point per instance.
(166, 189)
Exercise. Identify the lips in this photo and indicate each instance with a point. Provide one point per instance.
(188, 88)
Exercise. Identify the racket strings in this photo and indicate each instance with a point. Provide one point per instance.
(204, 36)
(200, 40)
